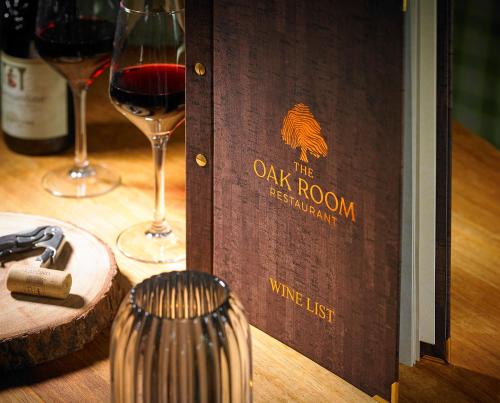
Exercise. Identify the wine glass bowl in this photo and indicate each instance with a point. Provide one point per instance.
(151, 96)
(84, 55)
(147, 86)
(76, 38)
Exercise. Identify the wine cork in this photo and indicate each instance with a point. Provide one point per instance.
(27, 279)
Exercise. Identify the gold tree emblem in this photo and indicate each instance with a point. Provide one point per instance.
(301, 129)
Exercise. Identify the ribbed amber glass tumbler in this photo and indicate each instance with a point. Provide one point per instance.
(181, 337)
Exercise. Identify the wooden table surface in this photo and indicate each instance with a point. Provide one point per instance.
(280, 374)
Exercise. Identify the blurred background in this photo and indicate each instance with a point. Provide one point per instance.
(475, 283)
(476, 64)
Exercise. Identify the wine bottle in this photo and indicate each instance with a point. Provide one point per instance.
(36, 109)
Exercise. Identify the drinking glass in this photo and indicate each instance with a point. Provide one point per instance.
(181, 337)
(76, 38)
(147, 86)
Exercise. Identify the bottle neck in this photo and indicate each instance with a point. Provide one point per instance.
(18, 28)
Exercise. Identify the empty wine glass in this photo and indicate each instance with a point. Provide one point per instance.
(76, 38)
(147, 86)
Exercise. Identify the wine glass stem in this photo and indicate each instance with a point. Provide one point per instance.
(159, 144)
(79, 102)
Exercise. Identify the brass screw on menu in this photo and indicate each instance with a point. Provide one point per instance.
(200, 69)
(201, 160)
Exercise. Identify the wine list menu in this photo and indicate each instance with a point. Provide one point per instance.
(306, 121)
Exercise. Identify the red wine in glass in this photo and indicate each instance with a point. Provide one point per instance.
(78, 49)
(76, 38)
(150, 93)
(147, 87)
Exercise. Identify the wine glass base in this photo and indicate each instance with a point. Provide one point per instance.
(138, 243)
(69, 181)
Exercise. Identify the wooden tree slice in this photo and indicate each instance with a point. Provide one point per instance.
(37, 329)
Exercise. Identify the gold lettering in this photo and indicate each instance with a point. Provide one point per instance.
(255, 168)
(303, 169)
(275, 285)
(285, 179)
(311, 192)
(347, 211)
(315, 192)
(330, 314)
(334, 196)
(308, 308)
(322, 313)
(272, 175)
(315, 308)
(303, 187)
(298, 298)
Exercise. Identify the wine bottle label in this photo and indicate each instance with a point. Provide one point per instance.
(33, 99)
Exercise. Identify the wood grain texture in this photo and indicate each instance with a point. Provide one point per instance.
(475, 286)
(199, 109)
(37, 329)
(280, 373)
(343, 61)
(474, 373)
(115, 142)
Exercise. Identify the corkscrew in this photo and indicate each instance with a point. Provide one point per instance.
(50, 238)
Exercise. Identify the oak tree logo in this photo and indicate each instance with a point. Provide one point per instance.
(301, 129)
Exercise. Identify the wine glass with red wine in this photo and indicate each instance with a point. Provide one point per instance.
(147, 86)
(76, 38)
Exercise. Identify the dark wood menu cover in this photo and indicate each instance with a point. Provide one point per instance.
(300, 116)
